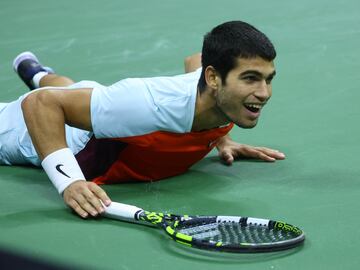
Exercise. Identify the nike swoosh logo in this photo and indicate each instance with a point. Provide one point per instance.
(61, 171)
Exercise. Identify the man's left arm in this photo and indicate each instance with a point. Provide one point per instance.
(230, 150)
(192, 62)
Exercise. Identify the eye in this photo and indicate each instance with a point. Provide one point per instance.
(251, 79)
(268, 80)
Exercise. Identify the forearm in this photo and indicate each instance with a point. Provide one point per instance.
(45, 120)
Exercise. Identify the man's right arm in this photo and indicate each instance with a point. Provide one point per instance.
(46, 112)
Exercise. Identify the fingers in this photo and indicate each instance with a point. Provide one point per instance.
(84, 198)
(265, 157)
(99, 193)
(262, 153)
(227, 157)
(270, 154)
(256, 153)
(77, 208)
(228, 154)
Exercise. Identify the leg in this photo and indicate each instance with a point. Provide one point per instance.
(16, 146)
(34, 75)
(55, 80)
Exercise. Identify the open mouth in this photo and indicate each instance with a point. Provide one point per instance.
(253, 107)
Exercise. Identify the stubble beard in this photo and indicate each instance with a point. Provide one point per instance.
(228, 119)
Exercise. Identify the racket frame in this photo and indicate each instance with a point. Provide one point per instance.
(171, 223)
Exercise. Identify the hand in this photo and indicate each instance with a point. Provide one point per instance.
(230, 150)
(84, 197)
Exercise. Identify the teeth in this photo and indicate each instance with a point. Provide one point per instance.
(255, 106)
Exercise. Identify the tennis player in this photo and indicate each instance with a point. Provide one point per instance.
(141, 129)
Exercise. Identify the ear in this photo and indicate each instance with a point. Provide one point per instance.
(212, 78)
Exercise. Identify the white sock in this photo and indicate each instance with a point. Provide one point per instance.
(37, 77)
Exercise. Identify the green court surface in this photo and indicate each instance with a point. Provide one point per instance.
(313, 117)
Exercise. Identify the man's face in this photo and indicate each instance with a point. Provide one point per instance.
(246, 91)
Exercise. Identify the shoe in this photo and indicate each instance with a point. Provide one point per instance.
(26, 65)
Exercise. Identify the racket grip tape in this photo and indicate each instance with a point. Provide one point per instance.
(121, 211)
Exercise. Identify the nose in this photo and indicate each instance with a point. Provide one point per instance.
(263, 93)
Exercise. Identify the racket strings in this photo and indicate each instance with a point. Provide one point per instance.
(232, 233)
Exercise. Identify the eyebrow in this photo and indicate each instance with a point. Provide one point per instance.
(257, 73)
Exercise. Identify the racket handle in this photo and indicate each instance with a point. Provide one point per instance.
(121, 211)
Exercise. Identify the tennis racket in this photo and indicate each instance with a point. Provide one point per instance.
(220, 233)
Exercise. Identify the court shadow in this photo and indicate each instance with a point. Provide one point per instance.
(221, 258)
(215, 159)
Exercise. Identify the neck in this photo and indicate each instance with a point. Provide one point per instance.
(207, 115)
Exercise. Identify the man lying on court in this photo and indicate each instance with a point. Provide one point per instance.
(143, 129)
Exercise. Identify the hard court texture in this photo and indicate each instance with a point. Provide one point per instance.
(313, 117)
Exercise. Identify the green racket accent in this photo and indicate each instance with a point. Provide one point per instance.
(183, 237)
(178, 236)
(176, 223)
(170, 230)
(287, 227)
(152, 217)
(183, 243)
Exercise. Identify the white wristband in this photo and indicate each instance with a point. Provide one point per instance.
(62, 169)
